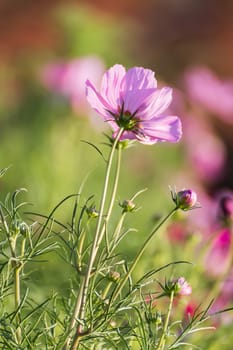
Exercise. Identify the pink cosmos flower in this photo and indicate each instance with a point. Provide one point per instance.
(205, 88)
(179, 287)
(132, 101)
(183, 287)
(218, 257)
(68, 78)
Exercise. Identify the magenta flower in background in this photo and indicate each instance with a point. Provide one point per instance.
(206, 89)
(189, 311)
(68, 78)
(205, 150)
(218, 256)
(132, 101)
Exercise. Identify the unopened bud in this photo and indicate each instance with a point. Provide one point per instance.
(185, 199)
(154, 317)
(114, 276)
(128, 206)
(92, 212)
(23, 228)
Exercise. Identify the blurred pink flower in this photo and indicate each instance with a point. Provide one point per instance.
(219, 318)
(190, 309)
(131, 100)
(189, 312)
(177, 233)
(224, 300)
(227, 288)
(206, 89)
(205, 151)
(68, 78)
(219, 254)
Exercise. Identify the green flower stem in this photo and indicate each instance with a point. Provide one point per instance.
(17, 265)
(84, 292)
(162, 340)
(74, 317)
(17, 268)
(105, 292)
(11, 241)
(138, 256)
(109, 211)
(17, 300)
(117, 231)
(113, 196)
(80, 247)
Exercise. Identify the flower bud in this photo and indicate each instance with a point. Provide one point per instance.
(185, 199)
(128, 206)
(114, 276)
(92, 212)
(154, 317)
(178, 287)
(23, 228)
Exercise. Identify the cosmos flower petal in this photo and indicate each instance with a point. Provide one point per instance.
(138, 100)
(163, 129)
(98, 103)
(138, 78)
(111, 84)
(161, 101)
(127, 135)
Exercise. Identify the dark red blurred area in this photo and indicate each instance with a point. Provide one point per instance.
(26, 25)
(173, 33)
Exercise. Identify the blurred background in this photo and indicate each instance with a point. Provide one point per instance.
(48, 48)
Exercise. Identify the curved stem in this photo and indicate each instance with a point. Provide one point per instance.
(138, 256)
(96, 243)
(165, 327)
